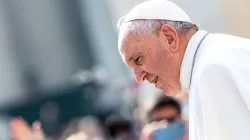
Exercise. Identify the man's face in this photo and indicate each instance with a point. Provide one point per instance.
(154, 59)
(165, 113)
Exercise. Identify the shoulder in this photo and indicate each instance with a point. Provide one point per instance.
(223, 57)
(225, 53)
(226, 41)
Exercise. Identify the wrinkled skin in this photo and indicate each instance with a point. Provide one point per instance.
(155, 59)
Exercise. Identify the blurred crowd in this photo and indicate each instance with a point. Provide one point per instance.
(45, 44)
(113, 127)
(89, 128)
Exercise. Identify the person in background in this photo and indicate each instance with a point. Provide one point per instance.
(119, 128)
(85, 128)
(162, 45)
(22, 131)
(164, 112)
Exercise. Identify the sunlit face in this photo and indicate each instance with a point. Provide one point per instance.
(155, 59)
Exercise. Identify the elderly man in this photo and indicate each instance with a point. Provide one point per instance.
(160, 43)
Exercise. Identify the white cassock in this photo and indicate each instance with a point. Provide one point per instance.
(219, 94)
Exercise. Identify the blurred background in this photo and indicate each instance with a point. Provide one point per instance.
(60, 64)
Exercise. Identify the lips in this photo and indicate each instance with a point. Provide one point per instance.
(157, 85)
(153, 81)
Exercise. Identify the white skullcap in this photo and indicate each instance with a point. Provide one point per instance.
(158, 10)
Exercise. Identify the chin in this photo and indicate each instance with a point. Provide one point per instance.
(165, 91)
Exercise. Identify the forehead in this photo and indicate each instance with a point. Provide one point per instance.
(165, 111)
(131, 45)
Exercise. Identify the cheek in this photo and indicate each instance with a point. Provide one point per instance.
(152, 65)
(157, 61)
(160, 62)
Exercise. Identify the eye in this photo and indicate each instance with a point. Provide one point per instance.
(138, 60)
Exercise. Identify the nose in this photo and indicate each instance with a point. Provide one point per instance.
(139, 75)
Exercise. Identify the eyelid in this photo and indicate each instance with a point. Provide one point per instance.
(138, 60)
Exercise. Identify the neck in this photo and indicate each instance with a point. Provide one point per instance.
(184, 39)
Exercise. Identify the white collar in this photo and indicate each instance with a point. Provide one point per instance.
(186, 66)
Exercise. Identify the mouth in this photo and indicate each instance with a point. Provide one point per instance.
(158, 84)
(154, 80)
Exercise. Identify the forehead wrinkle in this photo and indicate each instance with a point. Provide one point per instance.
(125, 33)
(128, 43)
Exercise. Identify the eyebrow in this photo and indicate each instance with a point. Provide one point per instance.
(131, 58)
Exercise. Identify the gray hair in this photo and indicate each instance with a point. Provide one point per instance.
(151, 27)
